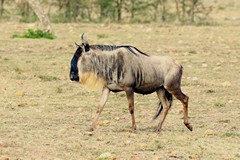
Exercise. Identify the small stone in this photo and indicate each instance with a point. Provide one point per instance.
(194, 78)
(230, 101)
(103, 123)
(2, 144)
(89, 133)
(117, 118)
(169, 151)
(106, 122)
(217, 68)
(148, 29)
(107, 156)
(209, 132)
(20, 94)
(132, 134)
(226, 84)
(100, 139)
(141, 146)
(193, 156)
(204, 65)
(127, 142)
(185, 60)
(180, 42)
(79, 109)
(180, 111)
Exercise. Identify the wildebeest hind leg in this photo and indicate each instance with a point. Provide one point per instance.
(130, 98)
(103, 100)
(184, 99)
(161, 93)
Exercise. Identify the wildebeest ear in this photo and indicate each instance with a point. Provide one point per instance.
(77, 45)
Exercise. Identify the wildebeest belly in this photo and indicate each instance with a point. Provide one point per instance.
(148, 88)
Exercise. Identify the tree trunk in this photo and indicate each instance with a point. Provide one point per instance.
(1, 7)
(163, 17)
(43, 18)
(119, 10)
(177, 11)
(194, 2)
(155, 16)
(132, 10)
(183, 10)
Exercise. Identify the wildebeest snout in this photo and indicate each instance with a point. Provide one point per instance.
(74, 76)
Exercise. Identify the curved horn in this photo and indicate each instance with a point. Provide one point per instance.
(84, 39)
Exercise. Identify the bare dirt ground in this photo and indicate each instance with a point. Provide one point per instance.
(43, 115)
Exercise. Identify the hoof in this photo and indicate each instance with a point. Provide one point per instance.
(91, 129)
(134, 129)
(189, 126)
(158, 130)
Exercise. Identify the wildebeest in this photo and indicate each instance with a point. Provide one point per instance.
(125, 68)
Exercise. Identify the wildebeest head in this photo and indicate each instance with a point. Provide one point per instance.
(84, 47)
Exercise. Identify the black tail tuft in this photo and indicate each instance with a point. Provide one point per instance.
(159, 110)
(160, 107)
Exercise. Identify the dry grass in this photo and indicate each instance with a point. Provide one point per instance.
(45, 116)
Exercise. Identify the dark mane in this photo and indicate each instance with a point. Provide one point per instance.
(113, 47)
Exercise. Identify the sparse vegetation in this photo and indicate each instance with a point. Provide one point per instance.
(59, 90)
(48, 78)
(231, 134)
(35, 34)
(102, 36)
(18, 70)
(219, 104)
(210, 91)
(44, 115)
(134, 11)
(60, 111)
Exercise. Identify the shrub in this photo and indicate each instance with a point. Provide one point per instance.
(35, 34)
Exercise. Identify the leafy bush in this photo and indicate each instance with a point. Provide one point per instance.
(35, 34)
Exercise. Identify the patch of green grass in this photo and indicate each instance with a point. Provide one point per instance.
(99, 36)
(59, 90)
(158, 144)
(237, 155)
(210, 91)
(193, 52)
(231, 134)
(221, 8)
(5, 59)
(48, 78)
(219, 104)
(205, 23)
(35, 34)
(18, 70)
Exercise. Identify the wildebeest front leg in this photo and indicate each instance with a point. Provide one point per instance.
(130, 98)
(103, 100)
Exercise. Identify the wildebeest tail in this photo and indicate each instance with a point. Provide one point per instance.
(160, 107)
